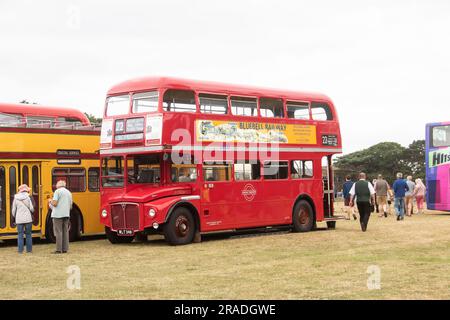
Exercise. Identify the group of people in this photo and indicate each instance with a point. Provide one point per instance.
(378, 196)
(23, 207)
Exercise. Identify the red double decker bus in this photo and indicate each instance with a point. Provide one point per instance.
(184, 158)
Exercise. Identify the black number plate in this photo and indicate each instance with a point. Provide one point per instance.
(125, 232)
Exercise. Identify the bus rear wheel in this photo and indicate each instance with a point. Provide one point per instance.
(303, 217)
(180, 229)
(114, 238)
(74, 228)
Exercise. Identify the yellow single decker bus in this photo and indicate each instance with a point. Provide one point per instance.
(39, 146)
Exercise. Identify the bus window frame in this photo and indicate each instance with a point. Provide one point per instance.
(432, 145)
(129, 94)
(288, 176)
(196, 101)
(68, 175)
(245, 97)
(89, 176)
(283, 103)
(122, 175)
(300, 102)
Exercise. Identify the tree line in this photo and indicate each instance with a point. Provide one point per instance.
(386, 158)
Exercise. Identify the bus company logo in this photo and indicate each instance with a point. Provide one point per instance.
(249, 192)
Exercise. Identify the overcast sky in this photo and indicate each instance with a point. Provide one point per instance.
(385, 64)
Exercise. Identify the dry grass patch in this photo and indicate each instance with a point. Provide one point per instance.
(414, 257)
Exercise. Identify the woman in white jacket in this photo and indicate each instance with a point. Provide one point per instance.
(22, 211)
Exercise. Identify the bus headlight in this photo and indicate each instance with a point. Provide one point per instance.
(152, 213)
(104, 213)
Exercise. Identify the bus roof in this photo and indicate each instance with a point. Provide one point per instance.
(146, 83)
(45, 111)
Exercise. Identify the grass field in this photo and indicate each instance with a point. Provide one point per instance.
(413, 256)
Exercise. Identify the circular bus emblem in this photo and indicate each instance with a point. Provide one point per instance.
(249, 192)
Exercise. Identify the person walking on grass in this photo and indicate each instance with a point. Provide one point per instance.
(409, 205)
(400, 188)
(22, 212)
(348, 184)
(61, 204)
(364, 193)
(419, 194)
(381, 190)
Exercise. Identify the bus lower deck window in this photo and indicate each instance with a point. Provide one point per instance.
(275, 170)
(301, 169)
(216, 172)
(247, 171)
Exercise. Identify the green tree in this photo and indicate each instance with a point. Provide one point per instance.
(414, 157)
(384, 158)
(93, 119)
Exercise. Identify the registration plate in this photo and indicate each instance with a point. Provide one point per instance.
(125, 232)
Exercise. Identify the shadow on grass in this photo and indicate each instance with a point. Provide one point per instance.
(160, 241)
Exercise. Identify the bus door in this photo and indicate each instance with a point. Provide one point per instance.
(217, 198)
(12, 175)
(328, 190)
(30, 174)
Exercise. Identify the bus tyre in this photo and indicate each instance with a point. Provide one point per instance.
(331, 224)
(114, 238)
(49, 234)
(180, 228)
(74, 228)
(303, 217)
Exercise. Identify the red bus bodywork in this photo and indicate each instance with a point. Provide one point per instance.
(218, 205)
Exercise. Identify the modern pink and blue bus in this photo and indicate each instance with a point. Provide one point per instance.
(437, 155)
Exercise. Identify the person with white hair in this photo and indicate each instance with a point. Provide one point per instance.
(409, 196)
(61, 204)
(400, 188)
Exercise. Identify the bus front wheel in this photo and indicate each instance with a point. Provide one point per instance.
(303, 217)
(114, 238)
(180, 229)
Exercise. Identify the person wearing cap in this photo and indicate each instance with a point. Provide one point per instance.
(22, 212)
(61, 204)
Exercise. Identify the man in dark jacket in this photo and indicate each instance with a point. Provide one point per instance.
(364, 193)
(400, 188)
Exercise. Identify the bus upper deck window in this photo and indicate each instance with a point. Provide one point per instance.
(10, 119)
(297, 110)
(145, 102)
(211, 103)
(179, 101)
(271, 108)
(118, 105)
(244, 106)
(321, 111)
(441, 136)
